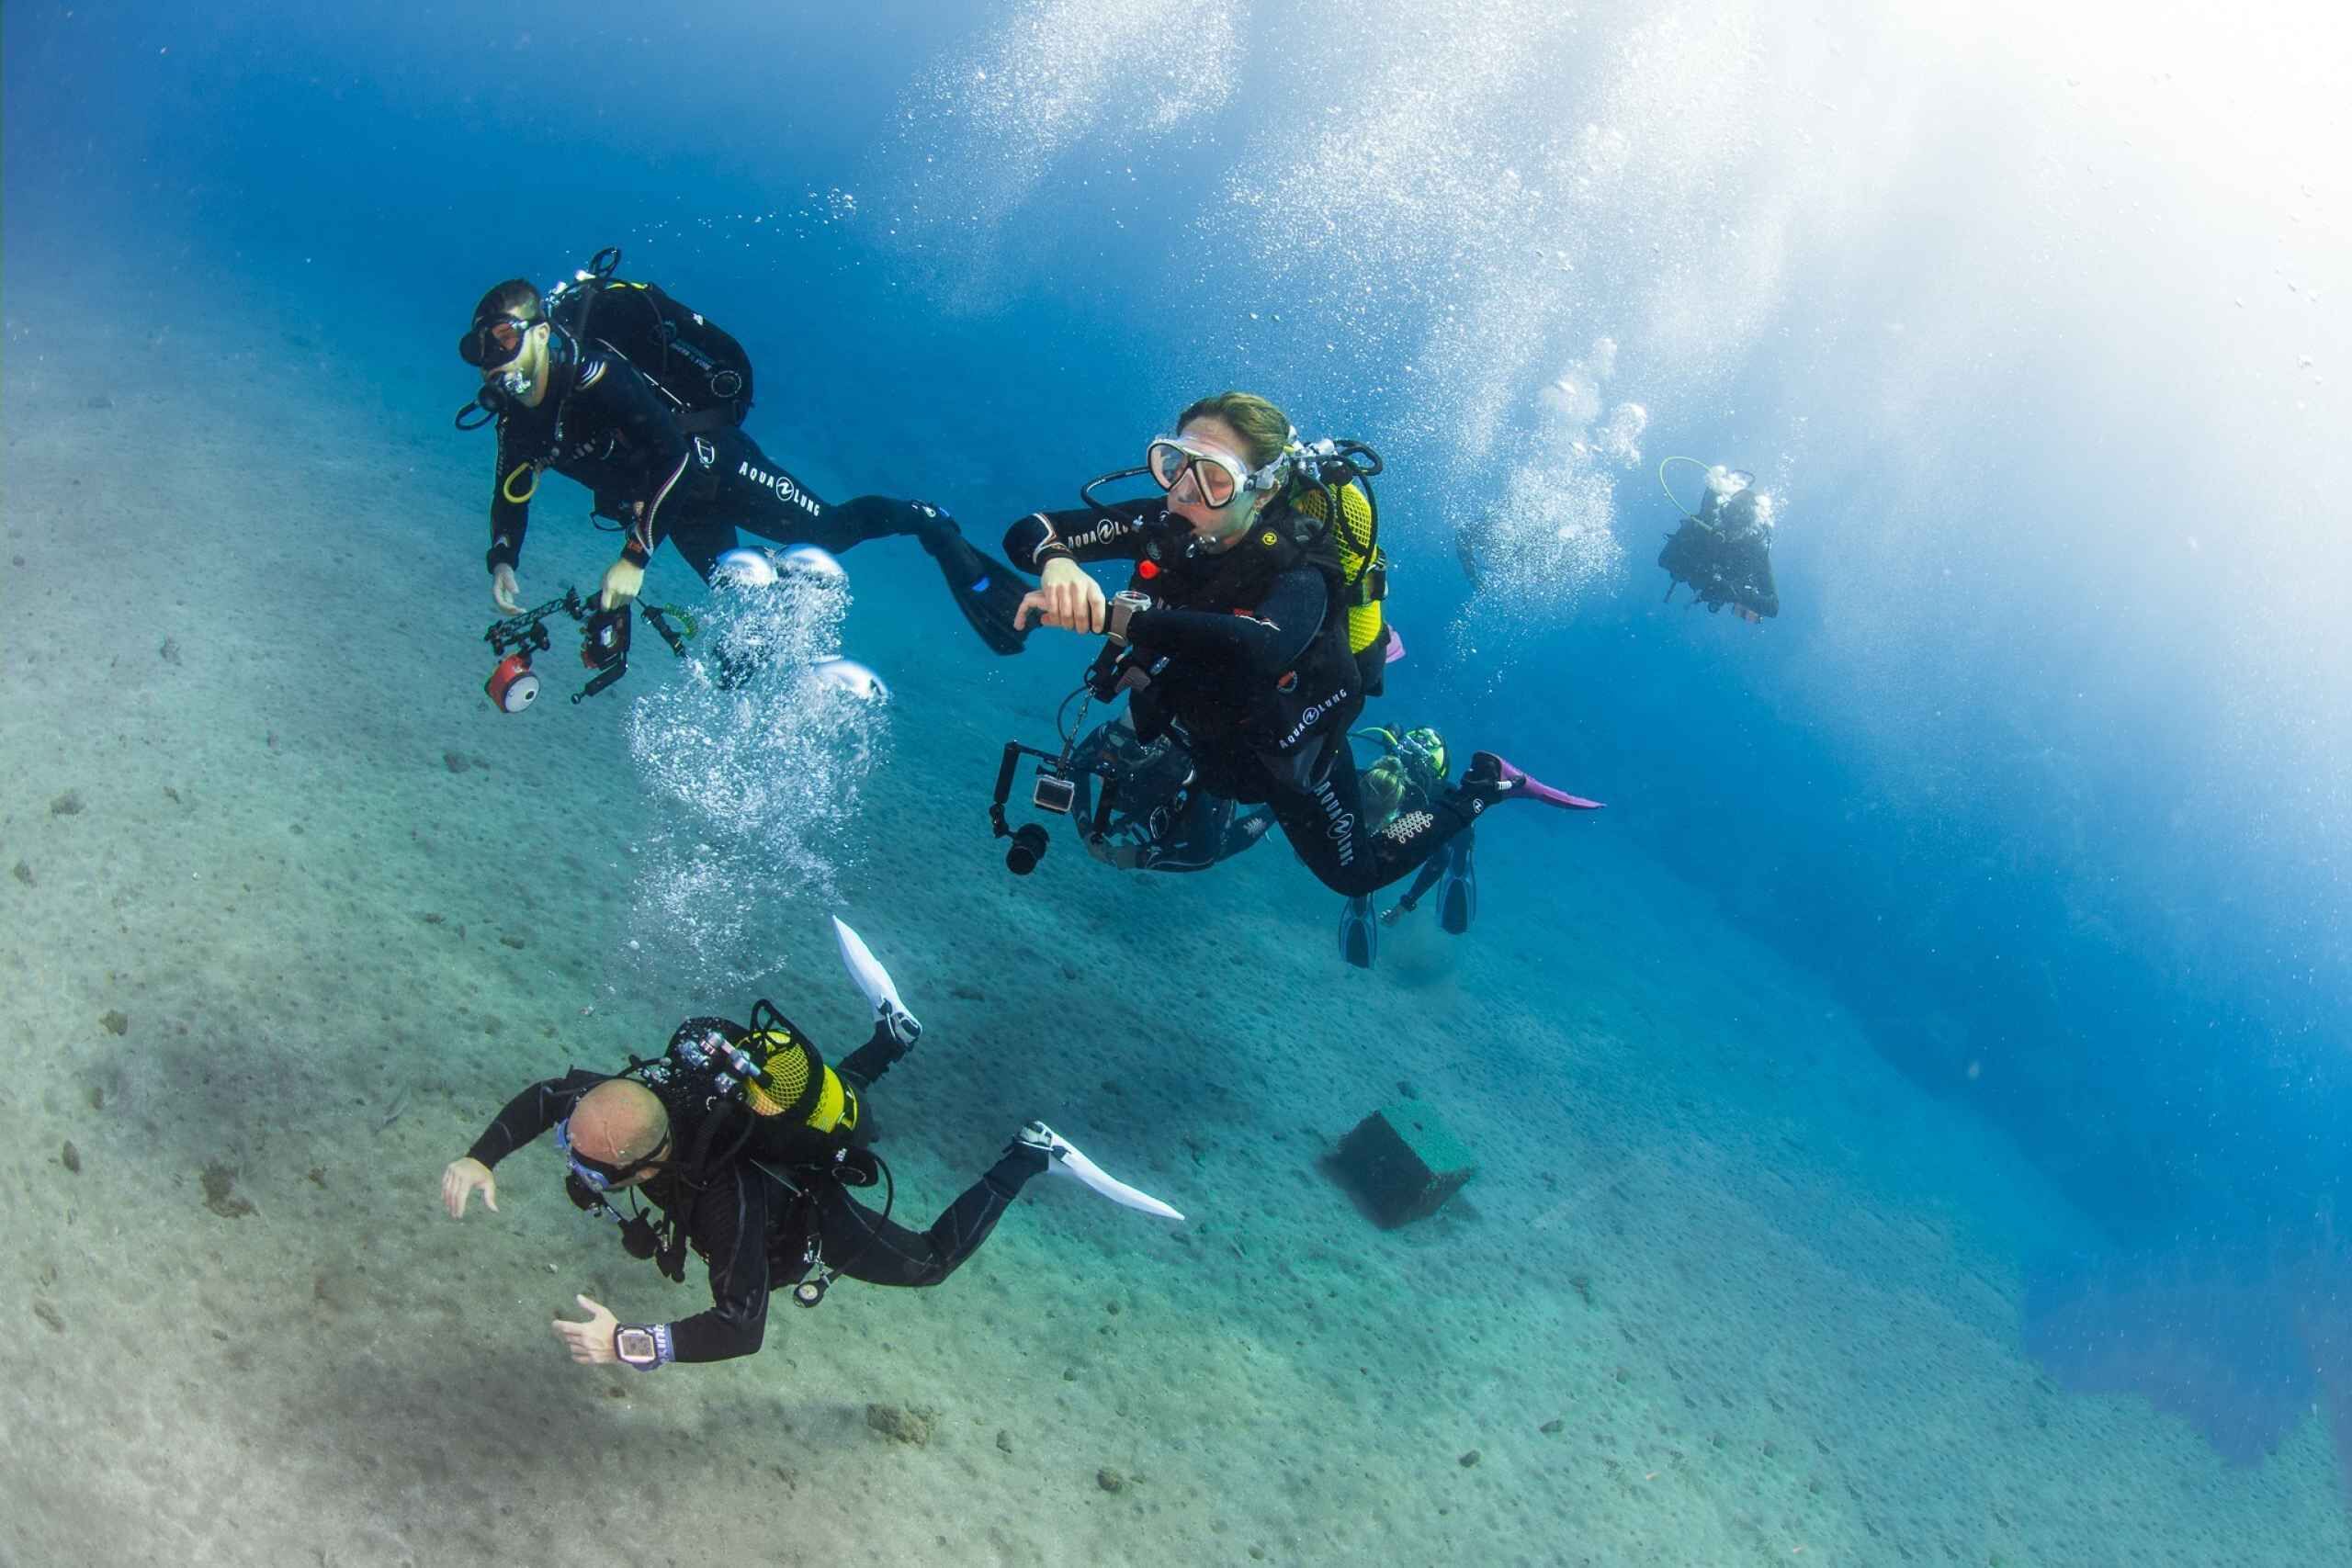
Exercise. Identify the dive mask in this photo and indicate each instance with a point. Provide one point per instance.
(495, 341)
(1218, 476)
(596, 1174)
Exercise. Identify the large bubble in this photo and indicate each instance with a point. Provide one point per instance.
(753, 761)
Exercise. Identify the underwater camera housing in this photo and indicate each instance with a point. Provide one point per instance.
(514, 685)
(1055, 790)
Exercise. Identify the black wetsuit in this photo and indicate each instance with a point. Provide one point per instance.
(757, 1227)
(606, 426)
(1257, 680)
(1725, 555)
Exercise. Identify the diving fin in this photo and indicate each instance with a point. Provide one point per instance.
(1359, 932)
(1063, 1156)
(986, 591)
(1457, 891)
(880, 990)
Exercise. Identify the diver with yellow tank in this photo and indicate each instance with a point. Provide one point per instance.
(1252, 628)
(742, 1144)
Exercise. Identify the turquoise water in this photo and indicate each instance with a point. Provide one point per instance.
(1910, 1120)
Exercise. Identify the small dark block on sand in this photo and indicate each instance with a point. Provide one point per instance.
(221, 1192)
(1109, 1480)
(116, 1020)
(69, 1158)
(456, 762)
(66, 805)
(1404, 1163)
(24, 873)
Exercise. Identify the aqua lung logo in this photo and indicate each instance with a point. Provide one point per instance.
(1339, 823)
(781, 484)
(1097, 534)
(1306, 720)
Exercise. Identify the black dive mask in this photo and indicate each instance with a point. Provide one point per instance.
(495, 341)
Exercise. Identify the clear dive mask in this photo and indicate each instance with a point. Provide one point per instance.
(1217, 476)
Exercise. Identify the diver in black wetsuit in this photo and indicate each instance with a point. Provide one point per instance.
(1724, 552)
(1241, 623)
(753, 1178)
(584, 411)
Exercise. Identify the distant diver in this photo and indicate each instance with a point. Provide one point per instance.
(1725, 549)
(746, 1144)
(1252, 629)
(1411, 772)
(616, 386)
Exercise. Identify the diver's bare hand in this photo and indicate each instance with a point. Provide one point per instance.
(590, 1343)
(461, 1180)
(1065, 597)
(505, 591)
(1396, 913)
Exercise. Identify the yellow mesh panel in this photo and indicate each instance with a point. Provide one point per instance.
(1351, 538)
(787, 1067)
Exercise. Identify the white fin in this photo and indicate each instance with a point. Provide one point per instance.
(881, 991)
(1071, 1162)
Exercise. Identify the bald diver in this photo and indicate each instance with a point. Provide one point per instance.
(741, 1145)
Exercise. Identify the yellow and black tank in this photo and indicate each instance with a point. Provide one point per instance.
(1363, 573)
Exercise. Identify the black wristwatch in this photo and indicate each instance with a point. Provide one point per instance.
(1124, 604)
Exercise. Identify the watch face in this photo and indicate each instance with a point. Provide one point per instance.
(635, 1345)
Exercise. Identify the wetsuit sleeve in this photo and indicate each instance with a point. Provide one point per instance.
(730, 1227)
(1083, 534)
(614, 394)
(530, 1113)
(509, 518)
(1431, 869)
(1268, 642)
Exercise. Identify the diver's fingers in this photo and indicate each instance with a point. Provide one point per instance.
(453, 1190)
(578, 1344)
(1080, 604)
(1040, 600)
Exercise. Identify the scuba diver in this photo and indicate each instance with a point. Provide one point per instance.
(745, 1143)
(1725, 549)
(1161, 822)
(1253, 630)
(1410, 774)
(651, 427)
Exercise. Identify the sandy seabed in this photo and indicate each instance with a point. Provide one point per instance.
(289, 911)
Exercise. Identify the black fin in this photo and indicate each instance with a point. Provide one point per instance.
(987, 592)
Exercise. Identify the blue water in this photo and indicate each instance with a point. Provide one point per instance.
(2027, 817)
